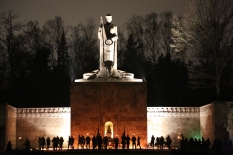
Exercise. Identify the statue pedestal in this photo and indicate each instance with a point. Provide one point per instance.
(124, 104)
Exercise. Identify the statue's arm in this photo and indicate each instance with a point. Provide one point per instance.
(115, 32)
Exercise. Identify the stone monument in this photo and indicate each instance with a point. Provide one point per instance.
(108, 45)
(108, 98)
(107, 34)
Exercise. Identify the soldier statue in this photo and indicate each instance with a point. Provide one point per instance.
(107, 34)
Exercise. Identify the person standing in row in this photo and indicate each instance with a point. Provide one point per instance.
(61, 140)
(8, 148)
(138, 142)
(48, 142)
(88, 139)
(133, 142)
(116, 140)
(27, 144)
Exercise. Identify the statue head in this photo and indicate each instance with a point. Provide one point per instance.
(108, 18)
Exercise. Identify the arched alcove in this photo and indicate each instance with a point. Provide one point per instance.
(108, 127)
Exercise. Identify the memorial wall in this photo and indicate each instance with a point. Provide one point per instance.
(212, 121)
(173, 121)
(33, 123)
(17, 124)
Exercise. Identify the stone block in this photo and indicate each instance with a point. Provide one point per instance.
(93, 104)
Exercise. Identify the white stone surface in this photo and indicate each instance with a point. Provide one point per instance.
(33, 123)
(173, 121)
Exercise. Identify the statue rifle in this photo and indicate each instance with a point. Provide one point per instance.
(103, 34)
(103, 30)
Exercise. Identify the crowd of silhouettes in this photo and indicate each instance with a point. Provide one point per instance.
(194, 143)
(160, 141)
(126, 142)
(57, 143)
(99, 142)
(219, 146)
(102, 143)
(204, 144)
(84, 142)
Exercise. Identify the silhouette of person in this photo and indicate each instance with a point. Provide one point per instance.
(79, 141)
(82, 141)
(191, 142)
(57, 142)
(42, 142)
(27, 144)
(116, 141)
(88, 139)
(157, 142)
(54, 143)
(8, 148)
(69, 141)
(169, 141)
(152, 141)
(123, 139)
(138, 142)
(208, 143)
(105, 139)
(161, 142)
(133, 142)
(72, 142)
(99, 141)
(93, 142)
(61, 140)
(127, 141)
(48, 142)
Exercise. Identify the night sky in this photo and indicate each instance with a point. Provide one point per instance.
(76, 11)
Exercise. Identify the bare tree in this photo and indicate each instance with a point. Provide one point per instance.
(153, 34)
(9, 39)
(52, 32)
(208, 32)
(135, 27)
(167, 29)
(151, 37)
(33, 36)
(83, 48)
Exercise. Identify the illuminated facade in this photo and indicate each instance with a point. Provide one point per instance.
(17, 124)
(212, 121)
(95, 106)
(173, 121)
